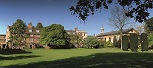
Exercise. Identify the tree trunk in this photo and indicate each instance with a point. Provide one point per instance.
(121, 37)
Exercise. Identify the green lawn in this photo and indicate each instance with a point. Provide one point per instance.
(77, 58)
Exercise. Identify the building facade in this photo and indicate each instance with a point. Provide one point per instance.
(81, 33)
(2, 41)
(76, 31)
(109, 36)
(33, 36)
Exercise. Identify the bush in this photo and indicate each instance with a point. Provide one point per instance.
(134, 42)
(108, 44)
(125, 42)
(144, 42)
(115, 44)
(101, 44)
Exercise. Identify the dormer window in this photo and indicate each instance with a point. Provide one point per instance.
(30, 30)
(37, 30)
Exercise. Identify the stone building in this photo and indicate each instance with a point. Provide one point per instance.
(109, 36)
(76, 31)
(80, 33)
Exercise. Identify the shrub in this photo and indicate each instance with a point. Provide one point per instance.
(101, 44)
(133, 42)
(144, 42)
(108, 44)
(125, 42)
(115, 42)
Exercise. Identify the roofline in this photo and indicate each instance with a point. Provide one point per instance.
(2, 34)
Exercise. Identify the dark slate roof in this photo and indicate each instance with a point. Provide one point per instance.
(114, 32)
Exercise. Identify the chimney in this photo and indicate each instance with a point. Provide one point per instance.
(30, 25)
(76, 29)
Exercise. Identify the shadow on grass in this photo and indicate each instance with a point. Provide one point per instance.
(12, 51)
(18, 57)
(99, 60)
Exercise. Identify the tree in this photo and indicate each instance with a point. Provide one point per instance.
(91, 42)
(149, 25)
(150, 39)
(39, 25)
(144, 42)
(149, 30)
(140, 28)
(17, 32)
(76, 40)
(54, 35)
(115, 41)
(137, 9)
(119, 20)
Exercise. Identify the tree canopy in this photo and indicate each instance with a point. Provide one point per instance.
(137, 9)
(17, 31)
(149, 25)
(53, 35)
(76, 40)
(39, 25)
(91, 42)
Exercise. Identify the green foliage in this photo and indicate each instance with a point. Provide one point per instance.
(144, 42)
(76, 40)
(149, 25)
(108, 44)
(85, 8)
(17, 33)
(125, 42)
(77, 58)
(91, 42)
(133, 42)
(115, 42)
(150, 40)
(54, 35)
(39, 25)
(101, 44)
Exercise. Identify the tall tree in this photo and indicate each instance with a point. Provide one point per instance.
(149, 25)
(17, 32)
(149, 30)
(53, 35)
(119, 20)
(137, 9)
(39, 25)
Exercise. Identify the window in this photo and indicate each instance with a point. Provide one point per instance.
(84, 34)
(31, 35)
(105, 39)
(110, 39)
(30, 39)
(37, 30)
(30, 30)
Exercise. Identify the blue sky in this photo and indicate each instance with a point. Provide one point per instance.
(50, 12)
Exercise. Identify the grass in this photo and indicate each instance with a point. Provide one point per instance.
(77, 58)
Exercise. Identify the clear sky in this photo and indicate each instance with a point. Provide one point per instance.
(50, 12)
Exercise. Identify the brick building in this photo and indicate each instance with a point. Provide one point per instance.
(2, 40)
(33, 39)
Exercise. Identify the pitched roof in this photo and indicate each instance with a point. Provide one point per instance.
(2, 34)
(114, 32)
